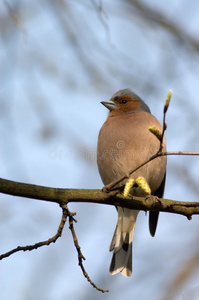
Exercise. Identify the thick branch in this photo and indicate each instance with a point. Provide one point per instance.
(61, 196)
(39, 192)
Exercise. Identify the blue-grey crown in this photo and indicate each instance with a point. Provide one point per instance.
(128, 92)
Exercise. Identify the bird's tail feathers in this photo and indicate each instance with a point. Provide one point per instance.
(122, 242)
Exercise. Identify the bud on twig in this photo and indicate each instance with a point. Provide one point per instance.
(141, 182)
(128, 186)
(156, 132)
(166, 105)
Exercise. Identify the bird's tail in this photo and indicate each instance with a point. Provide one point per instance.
(122, 242)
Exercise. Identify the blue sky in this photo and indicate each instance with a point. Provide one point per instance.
(58, 61)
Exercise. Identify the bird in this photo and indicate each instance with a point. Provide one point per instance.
(124, 142)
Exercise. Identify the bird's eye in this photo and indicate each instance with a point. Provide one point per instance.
(124, 101)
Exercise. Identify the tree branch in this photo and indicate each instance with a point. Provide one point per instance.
(158, 18)
(80, 255)
(65, 214)
(114, 198)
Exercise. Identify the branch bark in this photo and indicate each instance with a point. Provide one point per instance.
(64, 196)
(115, 198)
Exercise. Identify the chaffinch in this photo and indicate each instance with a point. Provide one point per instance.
(124, 143)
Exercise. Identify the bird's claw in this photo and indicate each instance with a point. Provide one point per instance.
(152, 197)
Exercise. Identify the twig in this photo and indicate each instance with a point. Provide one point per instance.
(44, 243)
(65, 213)
(111, 185)
(102, 9)
(159, 135)
(164, 125)
(80, 255)
(102, 16)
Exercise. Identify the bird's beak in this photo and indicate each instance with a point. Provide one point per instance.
(109, 104)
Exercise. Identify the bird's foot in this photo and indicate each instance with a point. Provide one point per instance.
(154, 198)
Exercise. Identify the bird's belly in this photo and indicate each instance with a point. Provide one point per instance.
(121, 162)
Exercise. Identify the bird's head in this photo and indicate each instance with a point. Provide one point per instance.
(126, 101)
